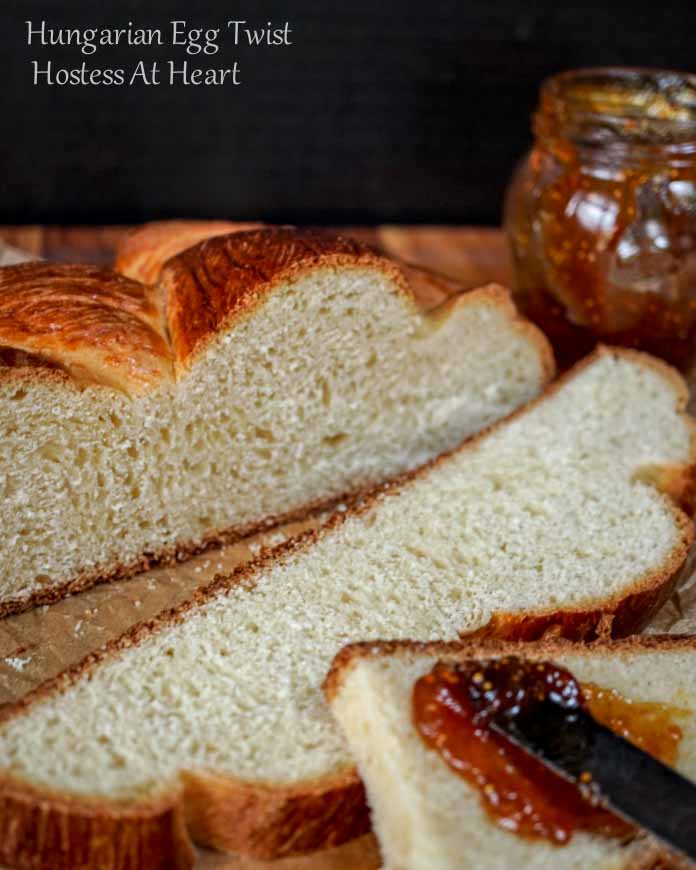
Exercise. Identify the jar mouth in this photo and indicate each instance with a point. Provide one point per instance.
(620, 105)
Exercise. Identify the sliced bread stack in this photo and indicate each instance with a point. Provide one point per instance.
(266, 373)
(426, 816)
(211, 717)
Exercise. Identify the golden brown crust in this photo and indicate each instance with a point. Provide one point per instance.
(274, 822)
(40, 831)
(216, 282)
(93, 324)
(617, 615)
(143, 253)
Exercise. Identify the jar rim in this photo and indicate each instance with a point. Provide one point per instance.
(620, 105)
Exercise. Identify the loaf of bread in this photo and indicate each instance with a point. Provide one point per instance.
(425, 815)
(214, 712)
(265, 373)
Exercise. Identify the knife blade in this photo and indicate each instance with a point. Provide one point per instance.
(621, 776)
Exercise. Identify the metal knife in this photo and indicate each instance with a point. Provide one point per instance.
(630, 782)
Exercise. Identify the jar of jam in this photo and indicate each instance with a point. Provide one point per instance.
(601, 215)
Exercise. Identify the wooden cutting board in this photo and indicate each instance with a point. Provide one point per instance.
(36, 645)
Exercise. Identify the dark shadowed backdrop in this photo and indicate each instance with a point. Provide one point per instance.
(380, 110)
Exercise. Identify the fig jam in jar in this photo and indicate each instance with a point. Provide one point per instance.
(601, 215)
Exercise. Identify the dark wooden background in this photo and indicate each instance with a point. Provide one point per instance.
(382, 110)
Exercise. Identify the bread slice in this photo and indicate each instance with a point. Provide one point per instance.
(214, 710)
(425, 815)
(268, 372)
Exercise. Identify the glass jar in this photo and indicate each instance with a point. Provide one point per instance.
(601, 215)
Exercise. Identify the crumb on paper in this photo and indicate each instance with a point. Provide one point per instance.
(17, 662)
(255, 548)
(78, 628)
(137, 603)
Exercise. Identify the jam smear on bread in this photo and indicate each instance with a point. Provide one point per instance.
(455, 703)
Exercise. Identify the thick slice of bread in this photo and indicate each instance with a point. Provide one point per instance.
(551, 517)
(426, 816)
(268, 372)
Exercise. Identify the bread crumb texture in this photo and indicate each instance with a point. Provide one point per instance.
(543, 512)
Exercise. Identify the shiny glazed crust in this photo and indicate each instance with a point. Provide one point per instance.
(143, 253)
(268, 821)
(94, 325)
(59, 832)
